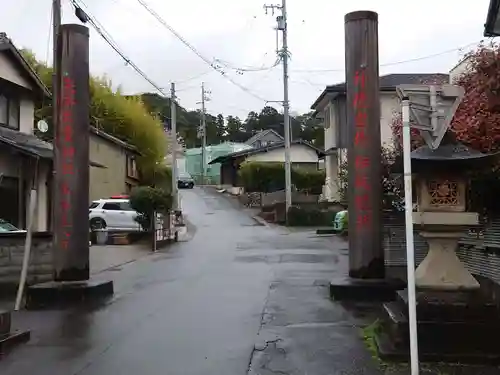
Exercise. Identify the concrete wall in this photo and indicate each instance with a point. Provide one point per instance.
(389, 106)
(299, 154)
(105, 182)
(41, 210)
(11, 258)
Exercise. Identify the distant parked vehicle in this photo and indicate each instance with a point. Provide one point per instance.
(113, 214)
(184, 180)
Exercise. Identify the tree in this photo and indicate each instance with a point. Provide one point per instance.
(221, 127)
(147, 200)
(211, 129)
(187, 121)
(311, 129)
(235, 130)
(123, 117)
(477, 120)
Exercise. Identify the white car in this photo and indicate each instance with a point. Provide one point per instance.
(113, 214)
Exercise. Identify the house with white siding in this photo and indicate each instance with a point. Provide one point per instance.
(330, 106)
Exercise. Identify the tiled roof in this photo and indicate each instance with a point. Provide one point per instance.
(28, 143)
(389, 82)
(261, 134)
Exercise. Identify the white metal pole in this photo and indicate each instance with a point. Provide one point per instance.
(173, 115)
(203, 135)
(27, 248)
(286, 109)
(410, 251)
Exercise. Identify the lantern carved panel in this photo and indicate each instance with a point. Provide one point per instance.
(442, 194)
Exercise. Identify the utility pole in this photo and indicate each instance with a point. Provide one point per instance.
(56, 24)
(173, 115)
(283, 53)
(203, 133)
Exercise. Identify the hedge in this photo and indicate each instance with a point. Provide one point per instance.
(269, 177)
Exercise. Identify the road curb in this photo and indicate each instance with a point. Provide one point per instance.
(260, 221)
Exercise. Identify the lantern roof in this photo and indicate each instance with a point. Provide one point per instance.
(450, 156)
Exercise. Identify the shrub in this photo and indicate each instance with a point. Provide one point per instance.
(305, 217)
(270, 177)
(146, 201)
(262, 177)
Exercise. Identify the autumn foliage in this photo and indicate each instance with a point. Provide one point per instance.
(477, 120)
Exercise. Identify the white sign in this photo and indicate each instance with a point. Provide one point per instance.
(432, 108)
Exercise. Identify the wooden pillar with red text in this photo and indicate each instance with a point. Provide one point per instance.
(366, 255)
(71, 194)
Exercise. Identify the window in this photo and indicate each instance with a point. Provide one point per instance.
(326, 114)
(14, 113)
(125, 206)
(4, 110)
(9, 112)
(132, 167)
(93, 205)
(111, 207)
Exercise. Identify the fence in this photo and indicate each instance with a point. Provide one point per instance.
(165, 230)
(480, 252)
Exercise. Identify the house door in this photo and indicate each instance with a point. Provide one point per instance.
(9, 200)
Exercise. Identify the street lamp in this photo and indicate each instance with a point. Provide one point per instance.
(492, 25)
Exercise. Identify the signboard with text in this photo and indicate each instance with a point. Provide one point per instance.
(366, 255)
(71, 195)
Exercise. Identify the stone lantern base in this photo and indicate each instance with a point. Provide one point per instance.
(457, 321)
(441, 269)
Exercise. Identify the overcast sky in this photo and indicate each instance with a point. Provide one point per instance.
(241, 34)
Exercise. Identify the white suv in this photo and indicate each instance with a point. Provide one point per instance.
(114, 214)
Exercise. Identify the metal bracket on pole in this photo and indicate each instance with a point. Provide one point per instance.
(432, 108)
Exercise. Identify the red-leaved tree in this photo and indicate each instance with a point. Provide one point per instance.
(477, 120)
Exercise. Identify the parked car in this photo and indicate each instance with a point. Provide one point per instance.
(113, 214)
(184, 180)
(5, 226)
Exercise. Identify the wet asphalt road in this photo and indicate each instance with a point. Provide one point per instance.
(236, 299)
(228, 297)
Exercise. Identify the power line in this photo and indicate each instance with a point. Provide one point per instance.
(195, 51)
(194, 77)
(395, 62)
(86, 17)
(241, 70)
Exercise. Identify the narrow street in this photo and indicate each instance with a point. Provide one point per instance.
(236, 298)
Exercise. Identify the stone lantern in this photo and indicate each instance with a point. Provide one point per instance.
(441, 216)
(456, 320)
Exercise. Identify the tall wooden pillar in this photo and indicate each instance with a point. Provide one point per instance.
(366, 255)
(71, 220)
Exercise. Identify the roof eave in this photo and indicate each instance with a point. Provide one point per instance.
(27, 67)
